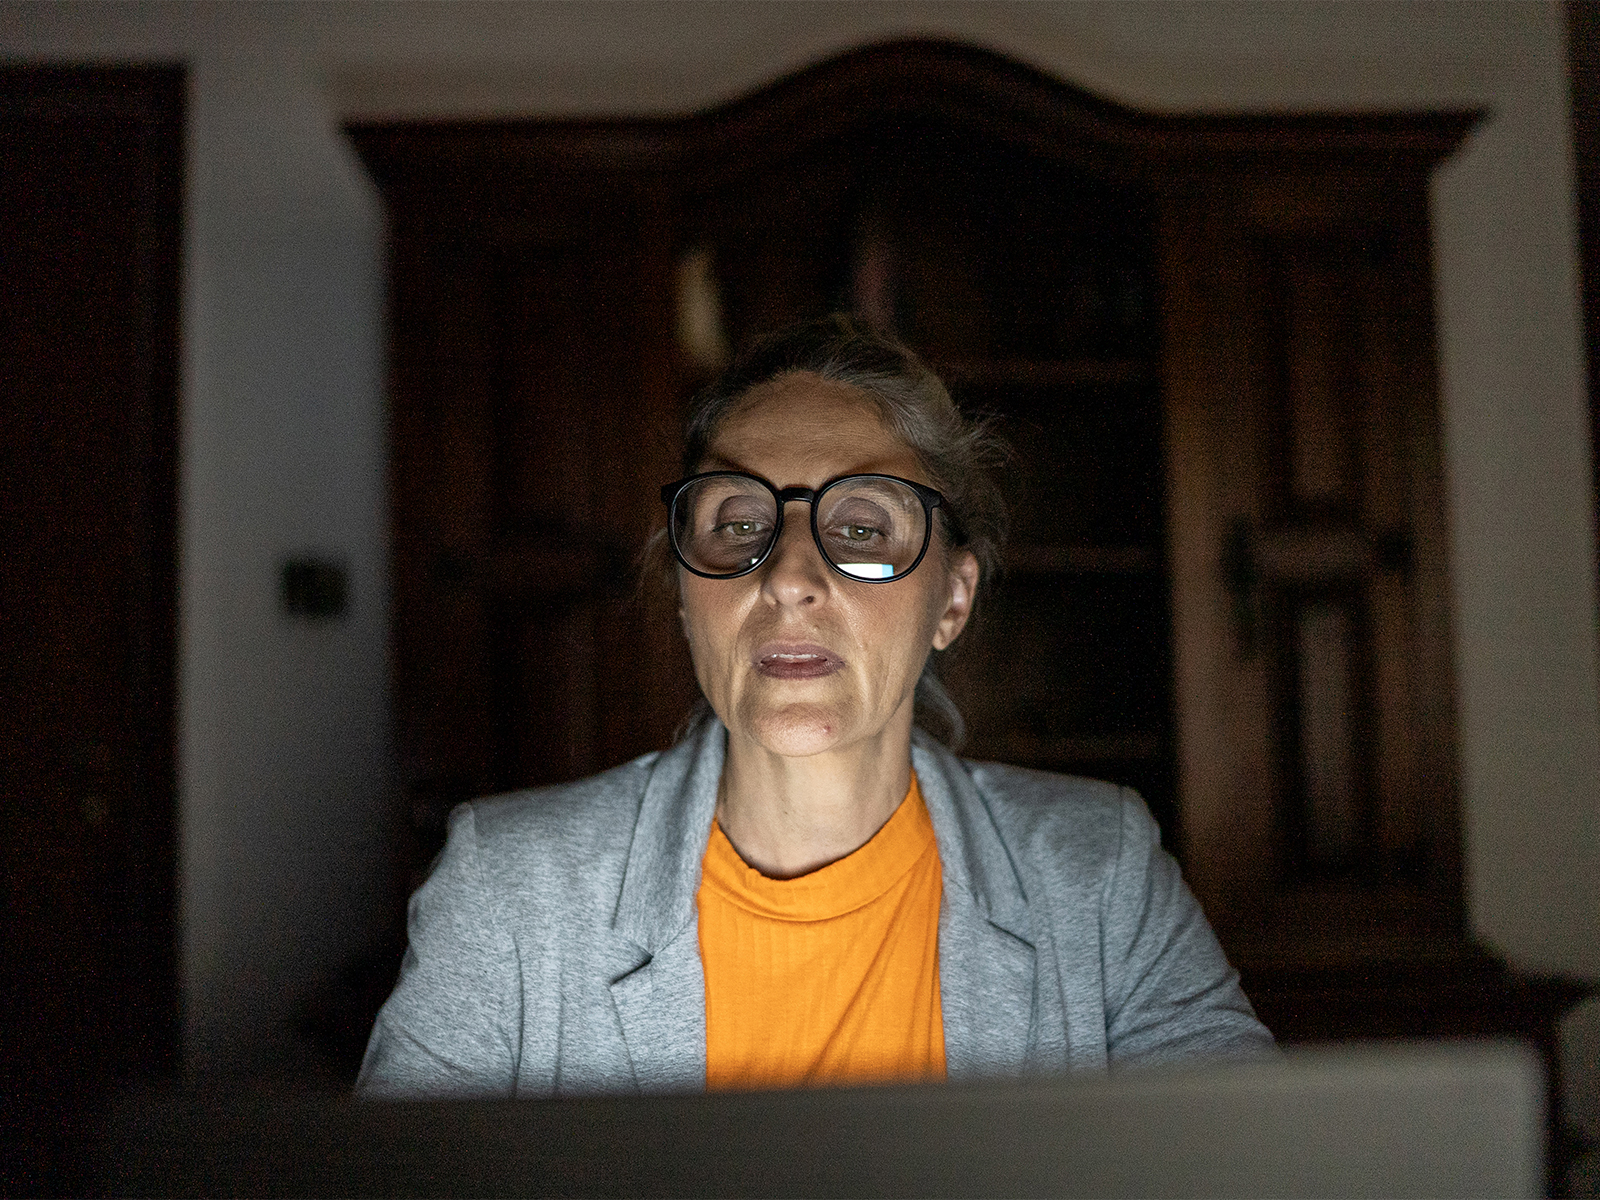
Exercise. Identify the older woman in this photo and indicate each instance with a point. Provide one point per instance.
(807, 888)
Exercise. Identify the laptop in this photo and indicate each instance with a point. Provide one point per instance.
(1419, 1119)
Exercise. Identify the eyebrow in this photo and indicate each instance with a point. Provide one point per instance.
(715, 462)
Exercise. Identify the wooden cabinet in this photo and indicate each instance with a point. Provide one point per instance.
(1209, 343)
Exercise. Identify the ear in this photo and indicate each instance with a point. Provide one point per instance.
(963, 576)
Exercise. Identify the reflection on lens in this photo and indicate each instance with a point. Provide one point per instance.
(871, 527)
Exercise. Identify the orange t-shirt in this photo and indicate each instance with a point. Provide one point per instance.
(829, 978)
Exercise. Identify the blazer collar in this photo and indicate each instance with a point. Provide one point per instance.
(974, 857)
(987, 960)
(669, 839)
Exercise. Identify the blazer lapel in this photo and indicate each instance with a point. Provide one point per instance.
(660, 994)
(661, 1006)
(986, 952)
(986, 992)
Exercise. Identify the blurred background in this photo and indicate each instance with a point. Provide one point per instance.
(343, 351)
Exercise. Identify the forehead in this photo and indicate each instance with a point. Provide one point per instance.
(800, 429)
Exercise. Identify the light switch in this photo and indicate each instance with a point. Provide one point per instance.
(313, 587)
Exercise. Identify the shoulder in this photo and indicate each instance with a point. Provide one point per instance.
(1051, 803)
(582, 824)
(1064, 822)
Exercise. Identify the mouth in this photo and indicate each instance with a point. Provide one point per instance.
(796, 660)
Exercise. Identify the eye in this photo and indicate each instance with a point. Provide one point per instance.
(740, 528)
(859, 533)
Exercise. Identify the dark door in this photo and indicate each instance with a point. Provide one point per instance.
(89, 220)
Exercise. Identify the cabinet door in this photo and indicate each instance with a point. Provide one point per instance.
(534, 419)
(1306, 541)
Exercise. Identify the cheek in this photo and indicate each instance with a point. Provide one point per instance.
(710, 620)
(935, 599)
(902, 629)
(695, 610)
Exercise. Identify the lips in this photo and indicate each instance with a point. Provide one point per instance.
(796, 660)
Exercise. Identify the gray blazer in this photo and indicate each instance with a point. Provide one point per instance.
(555, 950)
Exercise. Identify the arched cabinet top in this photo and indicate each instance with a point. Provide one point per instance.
(879, 86)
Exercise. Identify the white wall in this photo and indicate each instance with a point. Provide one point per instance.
(285, 755)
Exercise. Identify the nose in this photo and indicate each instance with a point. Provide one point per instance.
(794, 573)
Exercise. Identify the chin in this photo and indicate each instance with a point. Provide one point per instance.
(797, 731)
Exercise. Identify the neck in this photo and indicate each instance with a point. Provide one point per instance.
(789, 816)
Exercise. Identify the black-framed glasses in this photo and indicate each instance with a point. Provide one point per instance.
(871, 528)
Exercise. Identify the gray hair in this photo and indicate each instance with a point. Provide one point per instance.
(960, 454)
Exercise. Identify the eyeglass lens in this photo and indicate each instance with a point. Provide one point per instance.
(868, 527)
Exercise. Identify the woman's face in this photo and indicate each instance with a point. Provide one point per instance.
(794, 655)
